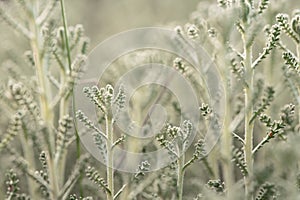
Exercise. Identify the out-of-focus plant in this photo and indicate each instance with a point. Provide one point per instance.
(39, 102)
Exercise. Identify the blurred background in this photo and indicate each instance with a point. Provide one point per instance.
(103, 18)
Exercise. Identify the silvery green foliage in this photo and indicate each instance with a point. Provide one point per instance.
(13, 128)
(12, 184)
(74, 197)
(266, 101)
(283, 21)
(267, 191)
(239, 160)
(291, 61)
(175, 139)
(216, 185)
(38, 135)
(36, 96)
(104, 98)
(94, 176)
(143, 168)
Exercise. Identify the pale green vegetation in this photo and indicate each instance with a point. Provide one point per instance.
(256, 48)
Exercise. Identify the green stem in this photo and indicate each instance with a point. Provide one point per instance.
(298, 51)
(249, 72)
(29, 157)
(63, 14)
(227, 135)
(298, 56)
(180, 176)
(44, 89)
(227, 145)
(45, 93)
(64, 102)
(63, 110)
(109, 166)
(78, 150)
(53, 179)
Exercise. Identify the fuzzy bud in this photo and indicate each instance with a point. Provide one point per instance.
(192, 31)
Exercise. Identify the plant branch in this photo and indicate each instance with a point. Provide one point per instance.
(63, 13)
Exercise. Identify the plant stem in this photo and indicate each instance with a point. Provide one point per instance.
(44, 90)
(227, 135)
(180, 176)
(28, 152)
(298, 56)
(109, 164)
(63, 14)
(45, 95)
(249, 72)
(53, 179)
(63, 111)
(78, 150)
(64, 104)
(227, 145)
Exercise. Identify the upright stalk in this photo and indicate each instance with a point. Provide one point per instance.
(28, 152)
(63, 13)
(226, 138)
(63, 110)
(298, 56)
(44, 93)
(53, 179)
(249, 72)
(64, 104)
(298, 51)
(180, 176)
(44, 89)
(109, 164)
(227, 145)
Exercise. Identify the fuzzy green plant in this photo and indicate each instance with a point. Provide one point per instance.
(14, 127)
(175, 140)
(74, 197)
(216, 185)
(255, 47)
(267, 191)
(36, 118)
(276, 128)
(104, 98)
(246, 66)
(239, 160)
(291, 61)
(266, 101)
